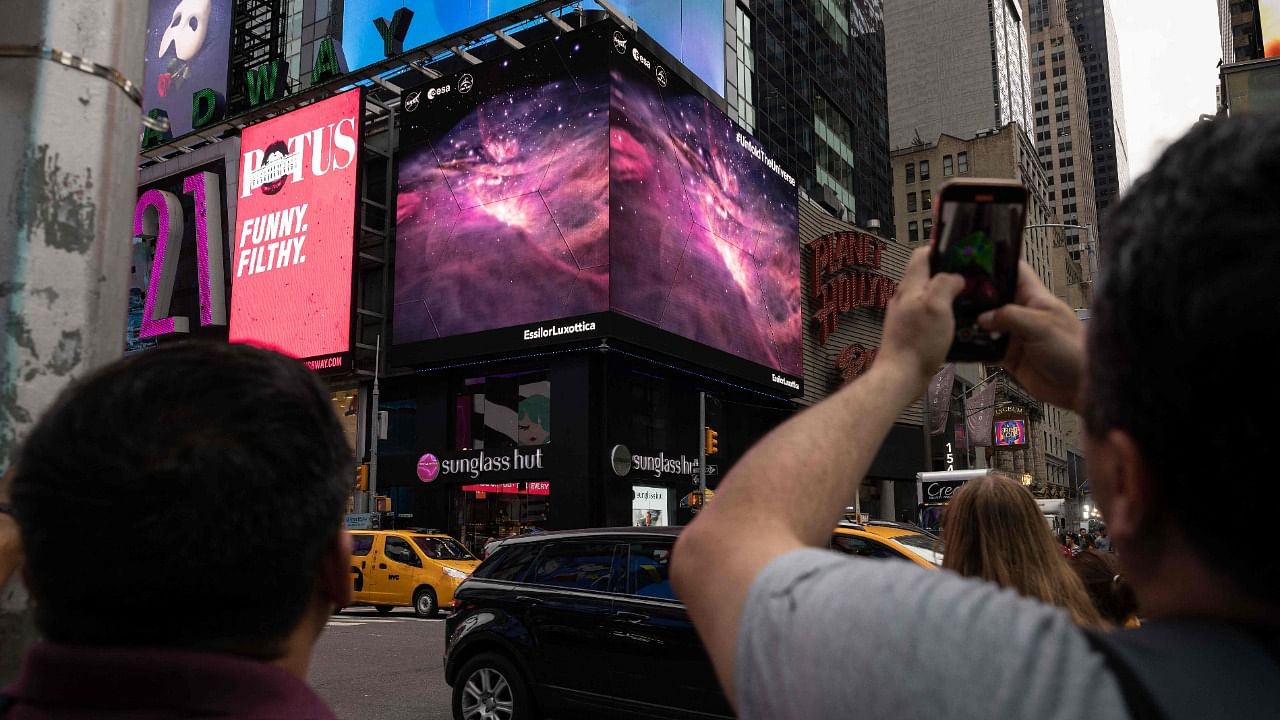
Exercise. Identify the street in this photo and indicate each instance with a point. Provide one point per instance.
(382, 667)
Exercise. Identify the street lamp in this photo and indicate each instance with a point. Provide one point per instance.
(1091, 246)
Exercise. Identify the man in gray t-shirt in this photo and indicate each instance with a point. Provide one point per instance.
(1176, 325)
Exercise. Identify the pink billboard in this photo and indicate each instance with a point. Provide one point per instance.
(291, 254)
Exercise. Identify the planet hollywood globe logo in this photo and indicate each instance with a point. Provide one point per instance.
(428, 468)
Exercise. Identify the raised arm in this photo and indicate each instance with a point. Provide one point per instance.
(790, 489)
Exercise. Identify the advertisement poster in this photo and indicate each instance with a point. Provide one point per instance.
(188, 42)
(1009, 433)
(580, 176)
(649, 508)
(291, 255)
(185, 296)
(679, 26)
(1269, 12)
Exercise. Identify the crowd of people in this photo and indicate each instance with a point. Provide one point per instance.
(993, 530)
(1075, 543)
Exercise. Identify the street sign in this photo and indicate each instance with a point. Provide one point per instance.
(361, 521)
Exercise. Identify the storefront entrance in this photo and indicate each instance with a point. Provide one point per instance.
(484, 511)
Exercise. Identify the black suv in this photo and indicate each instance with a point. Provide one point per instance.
(578, 624)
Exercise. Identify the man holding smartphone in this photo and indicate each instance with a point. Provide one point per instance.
(798, 632)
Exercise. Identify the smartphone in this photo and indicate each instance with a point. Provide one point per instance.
(977, 233)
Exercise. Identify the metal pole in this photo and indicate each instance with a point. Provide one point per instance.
(376, 431)
(69, 128)
(702, 446)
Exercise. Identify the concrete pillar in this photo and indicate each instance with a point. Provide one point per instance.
(68, 171)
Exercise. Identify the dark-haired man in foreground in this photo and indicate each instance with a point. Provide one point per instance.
(181, 514)
(1183, 324)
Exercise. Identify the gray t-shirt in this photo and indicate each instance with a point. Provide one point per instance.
(830, 636)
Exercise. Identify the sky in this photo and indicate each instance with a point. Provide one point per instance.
(1169, 53)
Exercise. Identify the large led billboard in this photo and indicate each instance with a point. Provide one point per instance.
(291, 254)
(691, 30)
(188, 42)
(581, 186)
(1269, 15)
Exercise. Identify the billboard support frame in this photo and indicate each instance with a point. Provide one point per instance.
(373, 245)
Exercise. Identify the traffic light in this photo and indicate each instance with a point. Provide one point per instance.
(382, 504)
(362, 477)
(712, 446)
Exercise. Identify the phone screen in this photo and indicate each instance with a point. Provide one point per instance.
(980, 238)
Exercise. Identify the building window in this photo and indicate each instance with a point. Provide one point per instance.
(926, 201)
(911, 173)
(913, 231)
(947, 169)
(833, 149)
(924, 170)
(911, 202)
(962, 162)
(833, 15)
(502, 411)
(928, 228)
(746, 71)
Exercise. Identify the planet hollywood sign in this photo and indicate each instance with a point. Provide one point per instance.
(841, 280)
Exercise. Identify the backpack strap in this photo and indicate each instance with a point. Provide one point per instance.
(1191, 670)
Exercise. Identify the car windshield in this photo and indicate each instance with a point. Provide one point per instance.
(443, 548)
(923, 546)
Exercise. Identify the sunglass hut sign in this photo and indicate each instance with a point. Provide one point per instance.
(482, 464)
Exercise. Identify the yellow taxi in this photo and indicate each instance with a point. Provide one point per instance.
(888, 540)
(407, 568)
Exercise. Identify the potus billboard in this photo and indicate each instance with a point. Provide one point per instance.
(579, 188)
(188, 42)
(292, 252)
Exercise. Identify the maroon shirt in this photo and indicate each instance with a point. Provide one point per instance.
(61, 682)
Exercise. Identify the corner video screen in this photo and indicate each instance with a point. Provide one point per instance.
(704, 223)
(580, 176)
(502, 214)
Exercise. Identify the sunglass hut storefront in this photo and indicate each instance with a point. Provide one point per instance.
(562, 298)
(588, 437)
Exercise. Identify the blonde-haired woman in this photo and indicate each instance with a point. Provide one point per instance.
(992, 529)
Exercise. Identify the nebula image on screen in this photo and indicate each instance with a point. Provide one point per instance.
(501, 215)
(580, 176)
(704, 233)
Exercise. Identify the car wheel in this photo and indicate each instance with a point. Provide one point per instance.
(384, 609)
(424, 603)
(489, 687)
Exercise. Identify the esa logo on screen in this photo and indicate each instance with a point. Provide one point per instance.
(434, 93)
